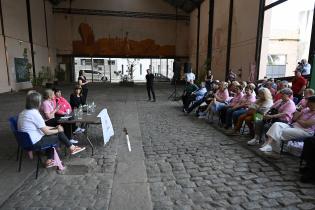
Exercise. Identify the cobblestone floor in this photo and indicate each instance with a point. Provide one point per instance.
(191, 165)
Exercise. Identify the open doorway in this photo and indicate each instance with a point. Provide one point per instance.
(114, 70)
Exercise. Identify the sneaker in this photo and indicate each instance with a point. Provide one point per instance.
(153, 100)
(253, 141)
(79, 130)
(202, 116)
(77, 150)
(266, 148)
(73, 141)
(202, 113)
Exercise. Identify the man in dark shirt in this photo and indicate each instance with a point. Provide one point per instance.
(188, 95)
(298, 85)
(150, 78)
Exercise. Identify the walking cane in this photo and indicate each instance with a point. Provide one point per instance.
(127, 138)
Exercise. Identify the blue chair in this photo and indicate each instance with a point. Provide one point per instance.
(13, 126)
(24, 143)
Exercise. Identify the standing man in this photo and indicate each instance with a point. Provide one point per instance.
(150, 78)
(304, 67)
(298, 85)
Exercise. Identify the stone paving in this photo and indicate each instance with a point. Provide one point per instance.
(87, 181)
(189, 163)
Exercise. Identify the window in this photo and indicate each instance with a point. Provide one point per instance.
(286, 36)
(86, 62)
(111, 62)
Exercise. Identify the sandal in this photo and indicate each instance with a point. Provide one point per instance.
(50, 163)
(77, 150)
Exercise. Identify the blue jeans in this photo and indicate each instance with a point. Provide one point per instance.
(228, 117)
(236, 114)
(217, 106)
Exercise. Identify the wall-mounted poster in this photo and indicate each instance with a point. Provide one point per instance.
(21, 70)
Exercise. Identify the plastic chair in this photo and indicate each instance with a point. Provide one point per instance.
(24, 143)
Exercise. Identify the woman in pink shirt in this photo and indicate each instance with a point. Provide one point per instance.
(285, 107)
(220, 99)
(49, 108)
(303, 126)
(65, 107)
(227, 111)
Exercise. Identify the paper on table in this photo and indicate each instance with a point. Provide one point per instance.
(107, 126)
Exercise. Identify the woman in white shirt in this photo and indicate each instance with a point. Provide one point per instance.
(31, 122)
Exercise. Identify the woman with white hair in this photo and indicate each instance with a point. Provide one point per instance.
(31, 122)
(282, 110)
(303, 126)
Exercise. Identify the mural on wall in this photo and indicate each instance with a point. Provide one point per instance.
(117, 46)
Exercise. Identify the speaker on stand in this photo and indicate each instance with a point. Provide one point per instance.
(176, 77)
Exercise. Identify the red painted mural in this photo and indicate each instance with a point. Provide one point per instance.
(117, 46)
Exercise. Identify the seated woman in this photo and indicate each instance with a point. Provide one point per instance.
(302, 104)
(49, 108)
(226, 112)
(261, 107)
(65, 107)
(219, 101)
(303, 126)
(76, 99)
(282, 84)
(31, 122)
(281, 111)
(241, 107)
(199, 97)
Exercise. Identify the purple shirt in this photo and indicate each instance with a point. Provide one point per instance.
(47, 107)
(247, 99)
(236, 99)
(286, 107)
(306, 115)
(222, 94)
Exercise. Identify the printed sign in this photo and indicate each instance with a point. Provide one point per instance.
(107, 126)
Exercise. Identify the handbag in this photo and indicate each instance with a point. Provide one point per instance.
(258, 117)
